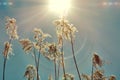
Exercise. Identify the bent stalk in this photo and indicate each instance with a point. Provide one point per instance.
(74, 57)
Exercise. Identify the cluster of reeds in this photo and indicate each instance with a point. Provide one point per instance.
(53, 51)
(97, 73)
(11, 29)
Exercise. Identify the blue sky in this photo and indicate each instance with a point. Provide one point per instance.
(99, 31)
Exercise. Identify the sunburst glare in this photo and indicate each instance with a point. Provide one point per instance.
(60, 6)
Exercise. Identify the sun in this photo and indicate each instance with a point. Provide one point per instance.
(59, 6)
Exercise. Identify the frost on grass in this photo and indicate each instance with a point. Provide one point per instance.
(36, 47)
(53, 52)
(11, 28)
(30, 72)
(64, 30)
(40, 40)
(40, 44)
(39, 35)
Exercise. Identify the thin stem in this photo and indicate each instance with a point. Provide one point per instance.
(37, 75)
(5, 61)
(4, 67)
(35, 57)
(63, 65)
(38, 59)
(36, 64)
(55, 69)
(58, 69)
(74, 57)
(92, 71)
(63, 61)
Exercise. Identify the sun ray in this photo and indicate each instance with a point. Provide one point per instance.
(60, 6)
